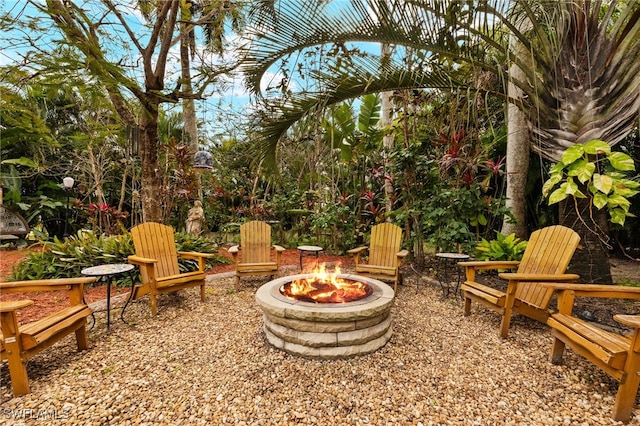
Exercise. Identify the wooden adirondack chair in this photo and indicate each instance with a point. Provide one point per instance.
(385, 255)
(157, 257)
(18, 343)
(617, 355)
(545, 259)
(255, 246)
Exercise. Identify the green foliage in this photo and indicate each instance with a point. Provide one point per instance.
(502, 248)
(356, 136)
(61, 259)
(603, 173)
(628, 282)
(339, 223)
(452, 216)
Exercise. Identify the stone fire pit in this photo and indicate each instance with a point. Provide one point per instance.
(326, 330)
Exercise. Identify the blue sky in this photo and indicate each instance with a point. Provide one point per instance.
(233, 97)
(220, 109)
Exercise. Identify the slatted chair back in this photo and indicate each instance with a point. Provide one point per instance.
(156, 241)
(548, 251)
(386, 239)
(255, 242)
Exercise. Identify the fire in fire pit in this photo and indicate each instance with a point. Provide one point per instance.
(322, 287)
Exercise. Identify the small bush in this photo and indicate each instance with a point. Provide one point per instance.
(62, 259)
(502, 248)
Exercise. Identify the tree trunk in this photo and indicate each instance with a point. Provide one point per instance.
(517, 152)
(387, 138)
(591, 259)
(151, 176)
(517, 167)
(188, 103)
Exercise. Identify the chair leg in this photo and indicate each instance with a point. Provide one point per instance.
(81, 338)
(628, 389)
(202, 293)
(237, 283)
(154, 304)
(19, 379)
(13, 352)
(506, 322)
(467, 306)
(557, 350)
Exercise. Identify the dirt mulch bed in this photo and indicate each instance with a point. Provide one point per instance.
(623, 270)
(46, 303)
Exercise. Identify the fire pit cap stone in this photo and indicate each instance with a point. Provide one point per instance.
(271, 301)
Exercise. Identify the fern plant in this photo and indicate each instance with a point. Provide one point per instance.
(502, 248)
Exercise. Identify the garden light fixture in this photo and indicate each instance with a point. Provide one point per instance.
(67, 184)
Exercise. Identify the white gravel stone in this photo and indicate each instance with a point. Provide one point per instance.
(209, 363)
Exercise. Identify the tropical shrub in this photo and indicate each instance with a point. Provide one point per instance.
(603, 173)
(61, 259)
(502, 248)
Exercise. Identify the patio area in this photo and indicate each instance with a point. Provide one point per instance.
(209, 363)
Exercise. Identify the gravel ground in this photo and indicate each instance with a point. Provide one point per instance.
(208, 363)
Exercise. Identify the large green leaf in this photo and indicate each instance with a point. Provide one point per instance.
(597, 147)
(558, 195)
(622, 161)
(624, 191)
(22, 161)
(582, 169)
(618, 216)
(572, 189)
(602, 183)
(551, 182)
(615, 201)
(599, 200)
(572, 154)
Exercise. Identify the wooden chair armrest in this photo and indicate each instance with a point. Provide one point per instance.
(490, 264)
(566, 293)
(278, 248)
(514, 276)
(195, 255)
(14, 305)
(597, 290)
(141, 260)
(630, 320)
(402, 253)
(55, 284)
(357, 250)
(234, 249)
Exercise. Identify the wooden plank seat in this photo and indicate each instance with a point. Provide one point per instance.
(18, 343)
(545, 259)
(615, 354)
(254, 254)
(157, 257)
(385, 256)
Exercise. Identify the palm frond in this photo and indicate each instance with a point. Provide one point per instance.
(581, 68)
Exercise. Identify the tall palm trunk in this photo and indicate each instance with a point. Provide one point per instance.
(518, 147)
(387, 138)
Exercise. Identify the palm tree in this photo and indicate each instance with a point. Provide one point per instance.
(579, 63)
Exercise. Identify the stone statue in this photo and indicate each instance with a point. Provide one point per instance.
(195, 218)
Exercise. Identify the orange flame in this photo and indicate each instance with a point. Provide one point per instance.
(324, 287)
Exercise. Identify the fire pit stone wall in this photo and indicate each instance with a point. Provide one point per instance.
(327, 330)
